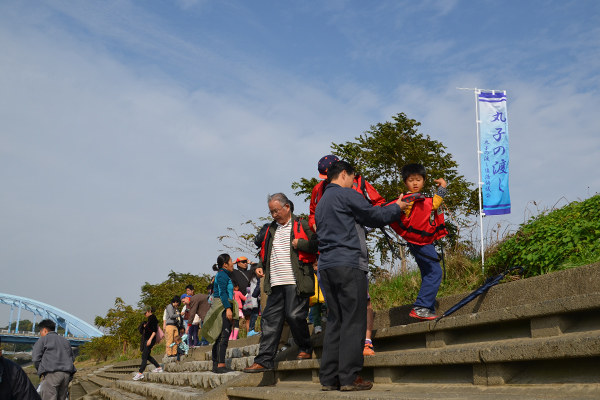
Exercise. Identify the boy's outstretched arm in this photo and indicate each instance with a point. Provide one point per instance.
(438, 198)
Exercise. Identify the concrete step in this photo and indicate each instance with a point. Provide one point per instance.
(89, 386)
(238, 352)
(114, 377)
(310, 391)
(200, 380)
(236, 364)
(484, 363)
(99, 381)
(76, 391)
(158, 391)
(93, 396)
(119, 394)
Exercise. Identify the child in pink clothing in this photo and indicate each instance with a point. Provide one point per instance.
(239, 298)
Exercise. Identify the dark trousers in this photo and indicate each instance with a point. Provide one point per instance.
(220, 347)
(283, 304)
(431, 274)
(193, 335)
(147, 357)
(253, 318)
(344, 340)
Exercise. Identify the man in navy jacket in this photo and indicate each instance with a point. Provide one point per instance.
(341, 215)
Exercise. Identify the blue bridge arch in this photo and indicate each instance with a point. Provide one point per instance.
(77, 331)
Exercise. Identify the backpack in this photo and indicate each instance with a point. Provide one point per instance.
(299, 233)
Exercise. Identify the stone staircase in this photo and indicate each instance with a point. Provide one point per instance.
(536, 338)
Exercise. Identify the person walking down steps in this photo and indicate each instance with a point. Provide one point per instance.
(223, 310)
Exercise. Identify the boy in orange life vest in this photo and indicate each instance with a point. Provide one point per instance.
(414, 176)
(360, 185)
(368, 192)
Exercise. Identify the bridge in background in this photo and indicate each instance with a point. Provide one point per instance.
(77, 331)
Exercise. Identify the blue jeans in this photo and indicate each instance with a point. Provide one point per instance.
(253, 318)
(431, 274)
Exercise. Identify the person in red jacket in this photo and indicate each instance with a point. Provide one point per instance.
(360, 185)
(368, 191)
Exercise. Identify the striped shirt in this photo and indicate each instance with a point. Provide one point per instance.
(281, 263)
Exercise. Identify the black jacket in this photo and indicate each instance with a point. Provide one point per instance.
(14, 383)
(341, 215)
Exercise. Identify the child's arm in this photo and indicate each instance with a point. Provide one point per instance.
(241, 296)
(438, 198)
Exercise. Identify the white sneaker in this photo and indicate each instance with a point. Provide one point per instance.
(318, 329)
(138, 376)
(159, 369)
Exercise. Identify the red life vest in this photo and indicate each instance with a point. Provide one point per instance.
(298, 233)
(423, 225)
(358, 185)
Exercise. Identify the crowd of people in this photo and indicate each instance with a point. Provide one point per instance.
(309, 270)
(318, 265)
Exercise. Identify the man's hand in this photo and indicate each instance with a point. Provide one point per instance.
(402, 204)
(259, 272)
(149, 342)
(441, 182)
(314, 227)
(229, 314)
(295, 243)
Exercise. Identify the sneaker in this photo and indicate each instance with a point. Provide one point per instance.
(318, 329)
(283, 348)
(422, 313)
(368, 350)
(159, 369)
(138, 376)
(252, 333)
(358, 384)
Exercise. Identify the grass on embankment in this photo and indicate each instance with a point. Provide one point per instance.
(554, 240)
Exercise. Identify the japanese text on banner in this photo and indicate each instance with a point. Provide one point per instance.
(494, 153)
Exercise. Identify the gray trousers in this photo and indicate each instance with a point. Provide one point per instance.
(55, 385)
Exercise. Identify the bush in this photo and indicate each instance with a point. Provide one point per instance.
(554, 240)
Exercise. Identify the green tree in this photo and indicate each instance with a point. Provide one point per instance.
(159, 296)
(379, 155)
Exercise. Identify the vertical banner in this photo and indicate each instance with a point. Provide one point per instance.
(494, 152)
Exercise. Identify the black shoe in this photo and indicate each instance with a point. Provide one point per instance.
(326, 388)
(215, 366)
(223, 370)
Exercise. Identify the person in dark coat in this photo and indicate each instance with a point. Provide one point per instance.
(341, 215)
(14, 383)
(149, 330)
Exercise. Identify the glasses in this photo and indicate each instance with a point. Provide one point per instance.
(243, 261)
(275, 212)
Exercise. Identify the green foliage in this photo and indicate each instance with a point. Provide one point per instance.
(553, 240)
(120, 324)
(159, 296)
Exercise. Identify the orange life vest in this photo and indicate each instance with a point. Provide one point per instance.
(423, 225)
(298, 233)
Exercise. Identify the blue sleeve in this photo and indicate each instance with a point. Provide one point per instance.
(222, 282)
(256, 292)
(373, 217)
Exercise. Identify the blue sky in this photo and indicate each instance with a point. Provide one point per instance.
(133, 133)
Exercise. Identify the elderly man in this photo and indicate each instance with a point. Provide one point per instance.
(53, 358)
(287, 253)
(340, 217)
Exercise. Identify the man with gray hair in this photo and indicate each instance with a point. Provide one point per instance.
(286, 257)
